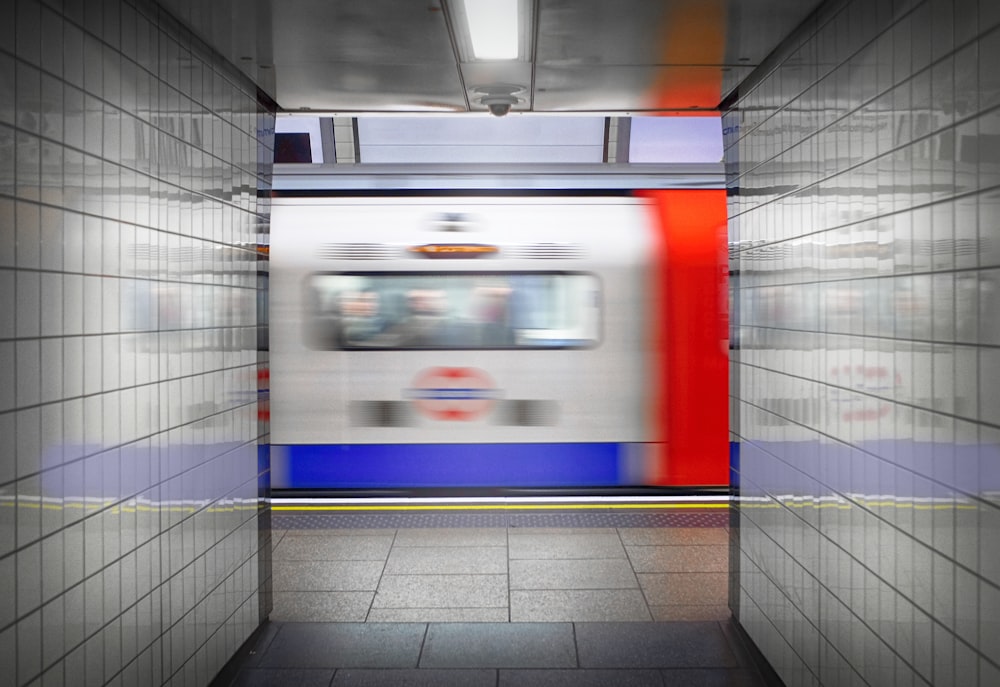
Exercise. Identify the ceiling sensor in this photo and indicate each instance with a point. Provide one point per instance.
(499, 98)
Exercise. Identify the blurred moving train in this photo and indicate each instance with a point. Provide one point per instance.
(532, 339)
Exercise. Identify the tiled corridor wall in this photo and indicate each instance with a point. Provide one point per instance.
(129, 171)
(864, 175)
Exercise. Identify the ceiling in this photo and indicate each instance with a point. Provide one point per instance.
(406, 56)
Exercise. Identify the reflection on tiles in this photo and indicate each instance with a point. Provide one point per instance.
(133, 189)
(865, 366)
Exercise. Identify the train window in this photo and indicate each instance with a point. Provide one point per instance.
(449, 310)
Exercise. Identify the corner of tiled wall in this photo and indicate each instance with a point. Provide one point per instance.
(864, 187)
(130, 167)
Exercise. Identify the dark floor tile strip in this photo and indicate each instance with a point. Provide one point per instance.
(284, 677)
(544, 654)
(710, 677)
(654, 645)
(248, 655)
(579, 678)
(415, 677)
(346, 645)
(499, 645)
(749, 655)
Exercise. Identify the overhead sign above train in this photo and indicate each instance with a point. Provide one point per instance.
(349, 179)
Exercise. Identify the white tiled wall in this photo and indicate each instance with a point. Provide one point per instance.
(864, 176)
(129, 171)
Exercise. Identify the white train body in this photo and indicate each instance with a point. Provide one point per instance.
(585, 383)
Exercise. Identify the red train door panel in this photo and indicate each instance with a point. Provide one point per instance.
(690, 338)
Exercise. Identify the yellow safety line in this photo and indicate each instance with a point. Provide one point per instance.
(504, 506)
(498, 506)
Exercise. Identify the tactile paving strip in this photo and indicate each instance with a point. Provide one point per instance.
(620, 518)
(391, 519)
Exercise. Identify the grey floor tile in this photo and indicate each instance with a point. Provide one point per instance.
(665, 536)
(583, 605)
(499, 645)
(342, 532)
(567, 531)
(601, 573)
(668, 589)
(282, 677)
(439, 615)
(416, 677)
(580, 677)
(321, 606)
(452, 536)
(650, 559)
(547, 546)
(691, 612)
(311, 576)
(346, 645)
(421, 560)
(441, 591)
(710, 677)
(332, 548)
(653, 645)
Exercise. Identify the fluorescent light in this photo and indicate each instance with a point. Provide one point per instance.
(492, 28)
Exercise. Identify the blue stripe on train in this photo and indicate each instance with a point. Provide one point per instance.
(368, 466)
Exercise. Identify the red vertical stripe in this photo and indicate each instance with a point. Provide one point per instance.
(689, 331)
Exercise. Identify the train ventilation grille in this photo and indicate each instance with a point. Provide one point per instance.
(546, 251)
(357, 251)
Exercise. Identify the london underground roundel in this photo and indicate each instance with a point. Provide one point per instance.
(453, 393)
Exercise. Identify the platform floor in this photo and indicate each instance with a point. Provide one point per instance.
(498, 597)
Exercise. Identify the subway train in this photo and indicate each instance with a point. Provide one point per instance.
(524, 338)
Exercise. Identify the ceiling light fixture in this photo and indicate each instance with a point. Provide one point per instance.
(493, 28)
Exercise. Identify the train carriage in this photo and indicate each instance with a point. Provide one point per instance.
(478, 340)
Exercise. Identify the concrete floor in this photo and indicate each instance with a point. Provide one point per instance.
(564, 598)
